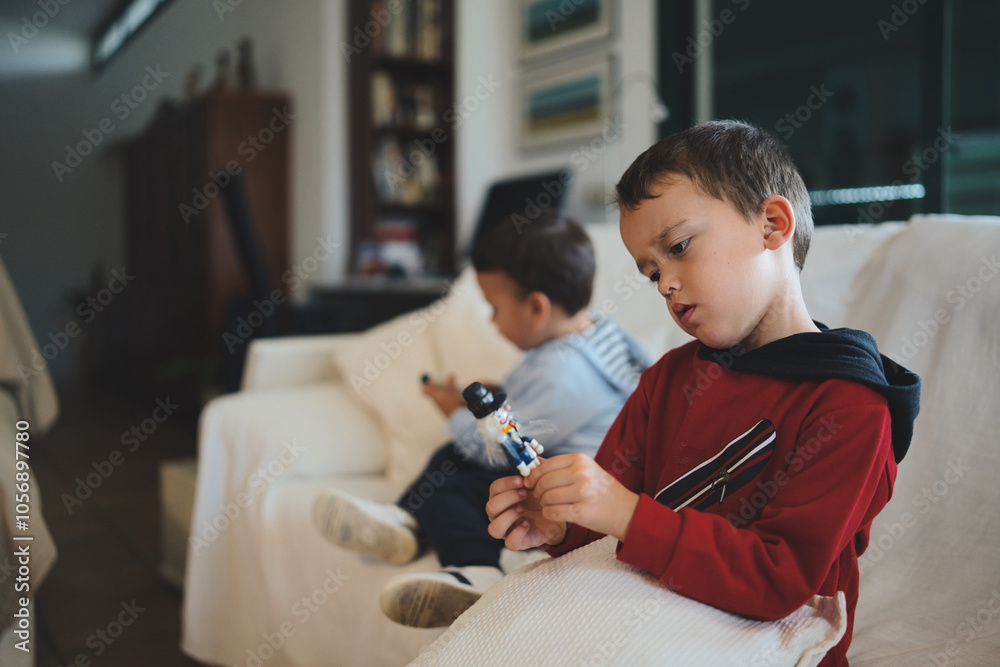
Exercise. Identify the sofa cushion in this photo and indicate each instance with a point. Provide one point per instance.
(383, 366)
(931, 298)
(594, 609)
(835, 256)
(465, 339)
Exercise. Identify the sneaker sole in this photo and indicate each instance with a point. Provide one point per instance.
(345, 524)
(426, 603)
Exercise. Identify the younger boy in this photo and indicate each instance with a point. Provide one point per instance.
(765, 404)
(576, 373)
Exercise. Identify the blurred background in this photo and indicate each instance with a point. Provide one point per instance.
(180, 177)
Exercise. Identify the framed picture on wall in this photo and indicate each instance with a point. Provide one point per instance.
(548, 26)
(565, 102)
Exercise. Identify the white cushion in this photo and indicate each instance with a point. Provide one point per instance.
(382, 368)
(587, 608)
(835, 256)
(331, 431)
(466, 341)
(383, 365)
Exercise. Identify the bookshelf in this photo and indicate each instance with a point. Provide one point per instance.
(402, 145)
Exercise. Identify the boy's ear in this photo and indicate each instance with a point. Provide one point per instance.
(539, 305)
(779, 221)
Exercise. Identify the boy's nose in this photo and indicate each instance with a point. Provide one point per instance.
(667, 284)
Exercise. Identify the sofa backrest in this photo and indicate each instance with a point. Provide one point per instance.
(930, 295)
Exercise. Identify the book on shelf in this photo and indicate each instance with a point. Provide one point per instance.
(404, 173)
(412, 105)
(414, 31)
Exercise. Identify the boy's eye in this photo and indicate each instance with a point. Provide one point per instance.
(678, 248)
(654, 277)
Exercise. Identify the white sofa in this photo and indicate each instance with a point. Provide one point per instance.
(263, 588)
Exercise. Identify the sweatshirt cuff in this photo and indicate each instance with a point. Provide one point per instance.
(575, 537)
(652, 537)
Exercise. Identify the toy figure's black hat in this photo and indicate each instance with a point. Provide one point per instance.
(482, 401)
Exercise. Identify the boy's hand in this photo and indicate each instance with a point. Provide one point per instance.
(516, 517)
(446, 396)
(574, 488)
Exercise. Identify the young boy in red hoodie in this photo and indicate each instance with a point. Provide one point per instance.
(746, 468)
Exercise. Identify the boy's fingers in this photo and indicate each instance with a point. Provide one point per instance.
(500, 525)
(503, 501)
(505, 484)
(517, 539)
(555, 479)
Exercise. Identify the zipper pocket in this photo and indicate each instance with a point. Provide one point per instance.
(709, 483)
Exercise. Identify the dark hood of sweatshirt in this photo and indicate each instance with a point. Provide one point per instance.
(846, 354)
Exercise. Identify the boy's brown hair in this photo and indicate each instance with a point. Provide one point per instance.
(729, 160)
(551, 254)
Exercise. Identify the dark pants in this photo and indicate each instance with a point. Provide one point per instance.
(448, 501)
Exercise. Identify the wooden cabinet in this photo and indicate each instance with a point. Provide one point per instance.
(402, 139)
(179, 244)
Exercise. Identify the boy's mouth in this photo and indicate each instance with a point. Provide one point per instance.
(683, 312)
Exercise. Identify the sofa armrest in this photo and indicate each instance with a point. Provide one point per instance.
(291, 361)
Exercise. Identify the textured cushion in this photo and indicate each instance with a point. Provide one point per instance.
(587, 608)
(384, 364)
(836, 254)
(383, 367)
(467, 342)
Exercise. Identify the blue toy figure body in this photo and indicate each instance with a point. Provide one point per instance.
(499, 430)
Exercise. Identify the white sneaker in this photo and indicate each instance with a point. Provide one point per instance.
(435, 599)
(379, 530)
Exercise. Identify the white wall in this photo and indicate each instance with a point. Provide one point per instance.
(58, 231)
(488, 139)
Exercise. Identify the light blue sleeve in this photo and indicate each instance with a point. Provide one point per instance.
(563, 401)
(557, 396)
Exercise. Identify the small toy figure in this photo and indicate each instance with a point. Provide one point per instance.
(499, 429)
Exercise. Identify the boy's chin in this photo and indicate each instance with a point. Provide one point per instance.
(718, 341)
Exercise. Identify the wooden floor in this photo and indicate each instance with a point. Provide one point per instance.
(109, 542)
